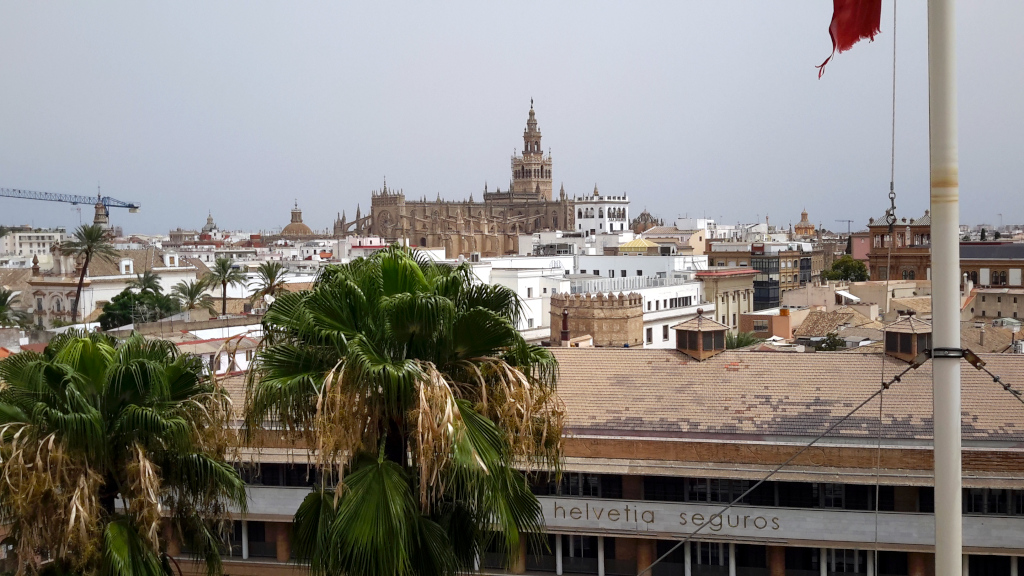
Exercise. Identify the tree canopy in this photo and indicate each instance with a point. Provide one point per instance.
(136, 307)
(10, 314)
(224, 273)
(127, 434)
(423, 399)
(846, 268)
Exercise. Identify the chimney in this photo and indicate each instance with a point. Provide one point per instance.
(565, 327)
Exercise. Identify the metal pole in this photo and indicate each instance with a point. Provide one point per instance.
(945, 211)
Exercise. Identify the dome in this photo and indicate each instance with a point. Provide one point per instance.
(296, 227)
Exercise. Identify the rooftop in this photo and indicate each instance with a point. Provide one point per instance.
(759, 395)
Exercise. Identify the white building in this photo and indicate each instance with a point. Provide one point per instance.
(557, 242)
(31, 242)
(597, 214)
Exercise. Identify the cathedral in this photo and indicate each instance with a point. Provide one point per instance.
(491, 226)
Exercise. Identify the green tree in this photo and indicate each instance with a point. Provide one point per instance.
(127, 434)
(741, 340)
(88, 242)
(846, 268)
(224, 273)
(191, 294)
(967, 238)
(997, 235)
(10, 315)
(831, 343)
(269, 280)
(984, 234)
(146, 283)
(422, 398)
(132, 307)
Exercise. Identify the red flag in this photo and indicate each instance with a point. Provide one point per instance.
(851, 21)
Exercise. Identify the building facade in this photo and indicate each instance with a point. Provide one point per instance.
(490, 226)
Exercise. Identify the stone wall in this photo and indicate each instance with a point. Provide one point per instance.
(613, 320)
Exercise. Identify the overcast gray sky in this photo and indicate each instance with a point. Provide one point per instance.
(702, 108)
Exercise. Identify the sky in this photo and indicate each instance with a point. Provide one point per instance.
(710, 109)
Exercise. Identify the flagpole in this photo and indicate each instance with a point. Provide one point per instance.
(945, 212)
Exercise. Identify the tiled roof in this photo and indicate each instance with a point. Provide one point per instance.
(820, 323)
(634, 392)
(925, 220)
(143, 260)
(700, 323)
(997, 338)
(665, 230)
(921, 305)
(638, 243)
(909, 325)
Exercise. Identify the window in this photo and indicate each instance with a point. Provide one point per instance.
(622, 273)
(760, 325)
(39, 304)
(545, 290)
(733, 319)
(664, 332)
(639, 272)
(529, 292)
(648, 305)
(999, 298)
(529, 322)
(650, 335)
(611, 273)
(583, 271)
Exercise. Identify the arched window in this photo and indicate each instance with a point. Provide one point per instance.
(579, 212)
(600, 212)
(911, 275)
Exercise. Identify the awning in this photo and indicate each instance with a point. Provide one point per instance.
(847, 295)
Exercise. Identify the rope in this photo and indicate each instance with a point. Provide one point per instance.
(836, 424)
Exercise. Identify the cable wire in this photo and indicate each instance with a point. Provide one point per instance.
(885, 386)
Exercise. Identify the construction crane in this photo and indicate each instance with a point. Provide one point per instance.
(848, 222)
(100, 201)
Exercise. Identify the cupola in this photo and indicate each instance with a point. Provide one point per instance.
(907, 337)
(700, 338)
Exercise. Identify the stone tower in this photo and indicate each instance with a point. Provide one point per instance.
(612, 320)
(531, 172)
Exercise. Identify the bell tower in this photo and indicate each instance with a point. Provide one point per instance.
(531, 172)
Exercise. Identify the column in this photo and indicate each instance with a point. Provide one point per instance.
(519, 566)
(600, 556)
(245, 539)
(687, 559)
(776, 561)
(1013, 566)
(558, 554)
(966, 570)
(871, 562)
(732, 559)
(284, 543)
(644, 554)
(823, 562)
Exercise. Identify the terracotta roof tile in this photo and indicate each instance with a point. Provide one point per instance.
(637, 392)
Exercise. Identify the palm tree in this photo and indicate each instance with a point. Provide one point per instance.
(224, 273)
(9, 315)
(269, 280)
(147, 282)
(741, 340)
(89, 241)
(422, 399)
(127, 434)
(191, 294)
